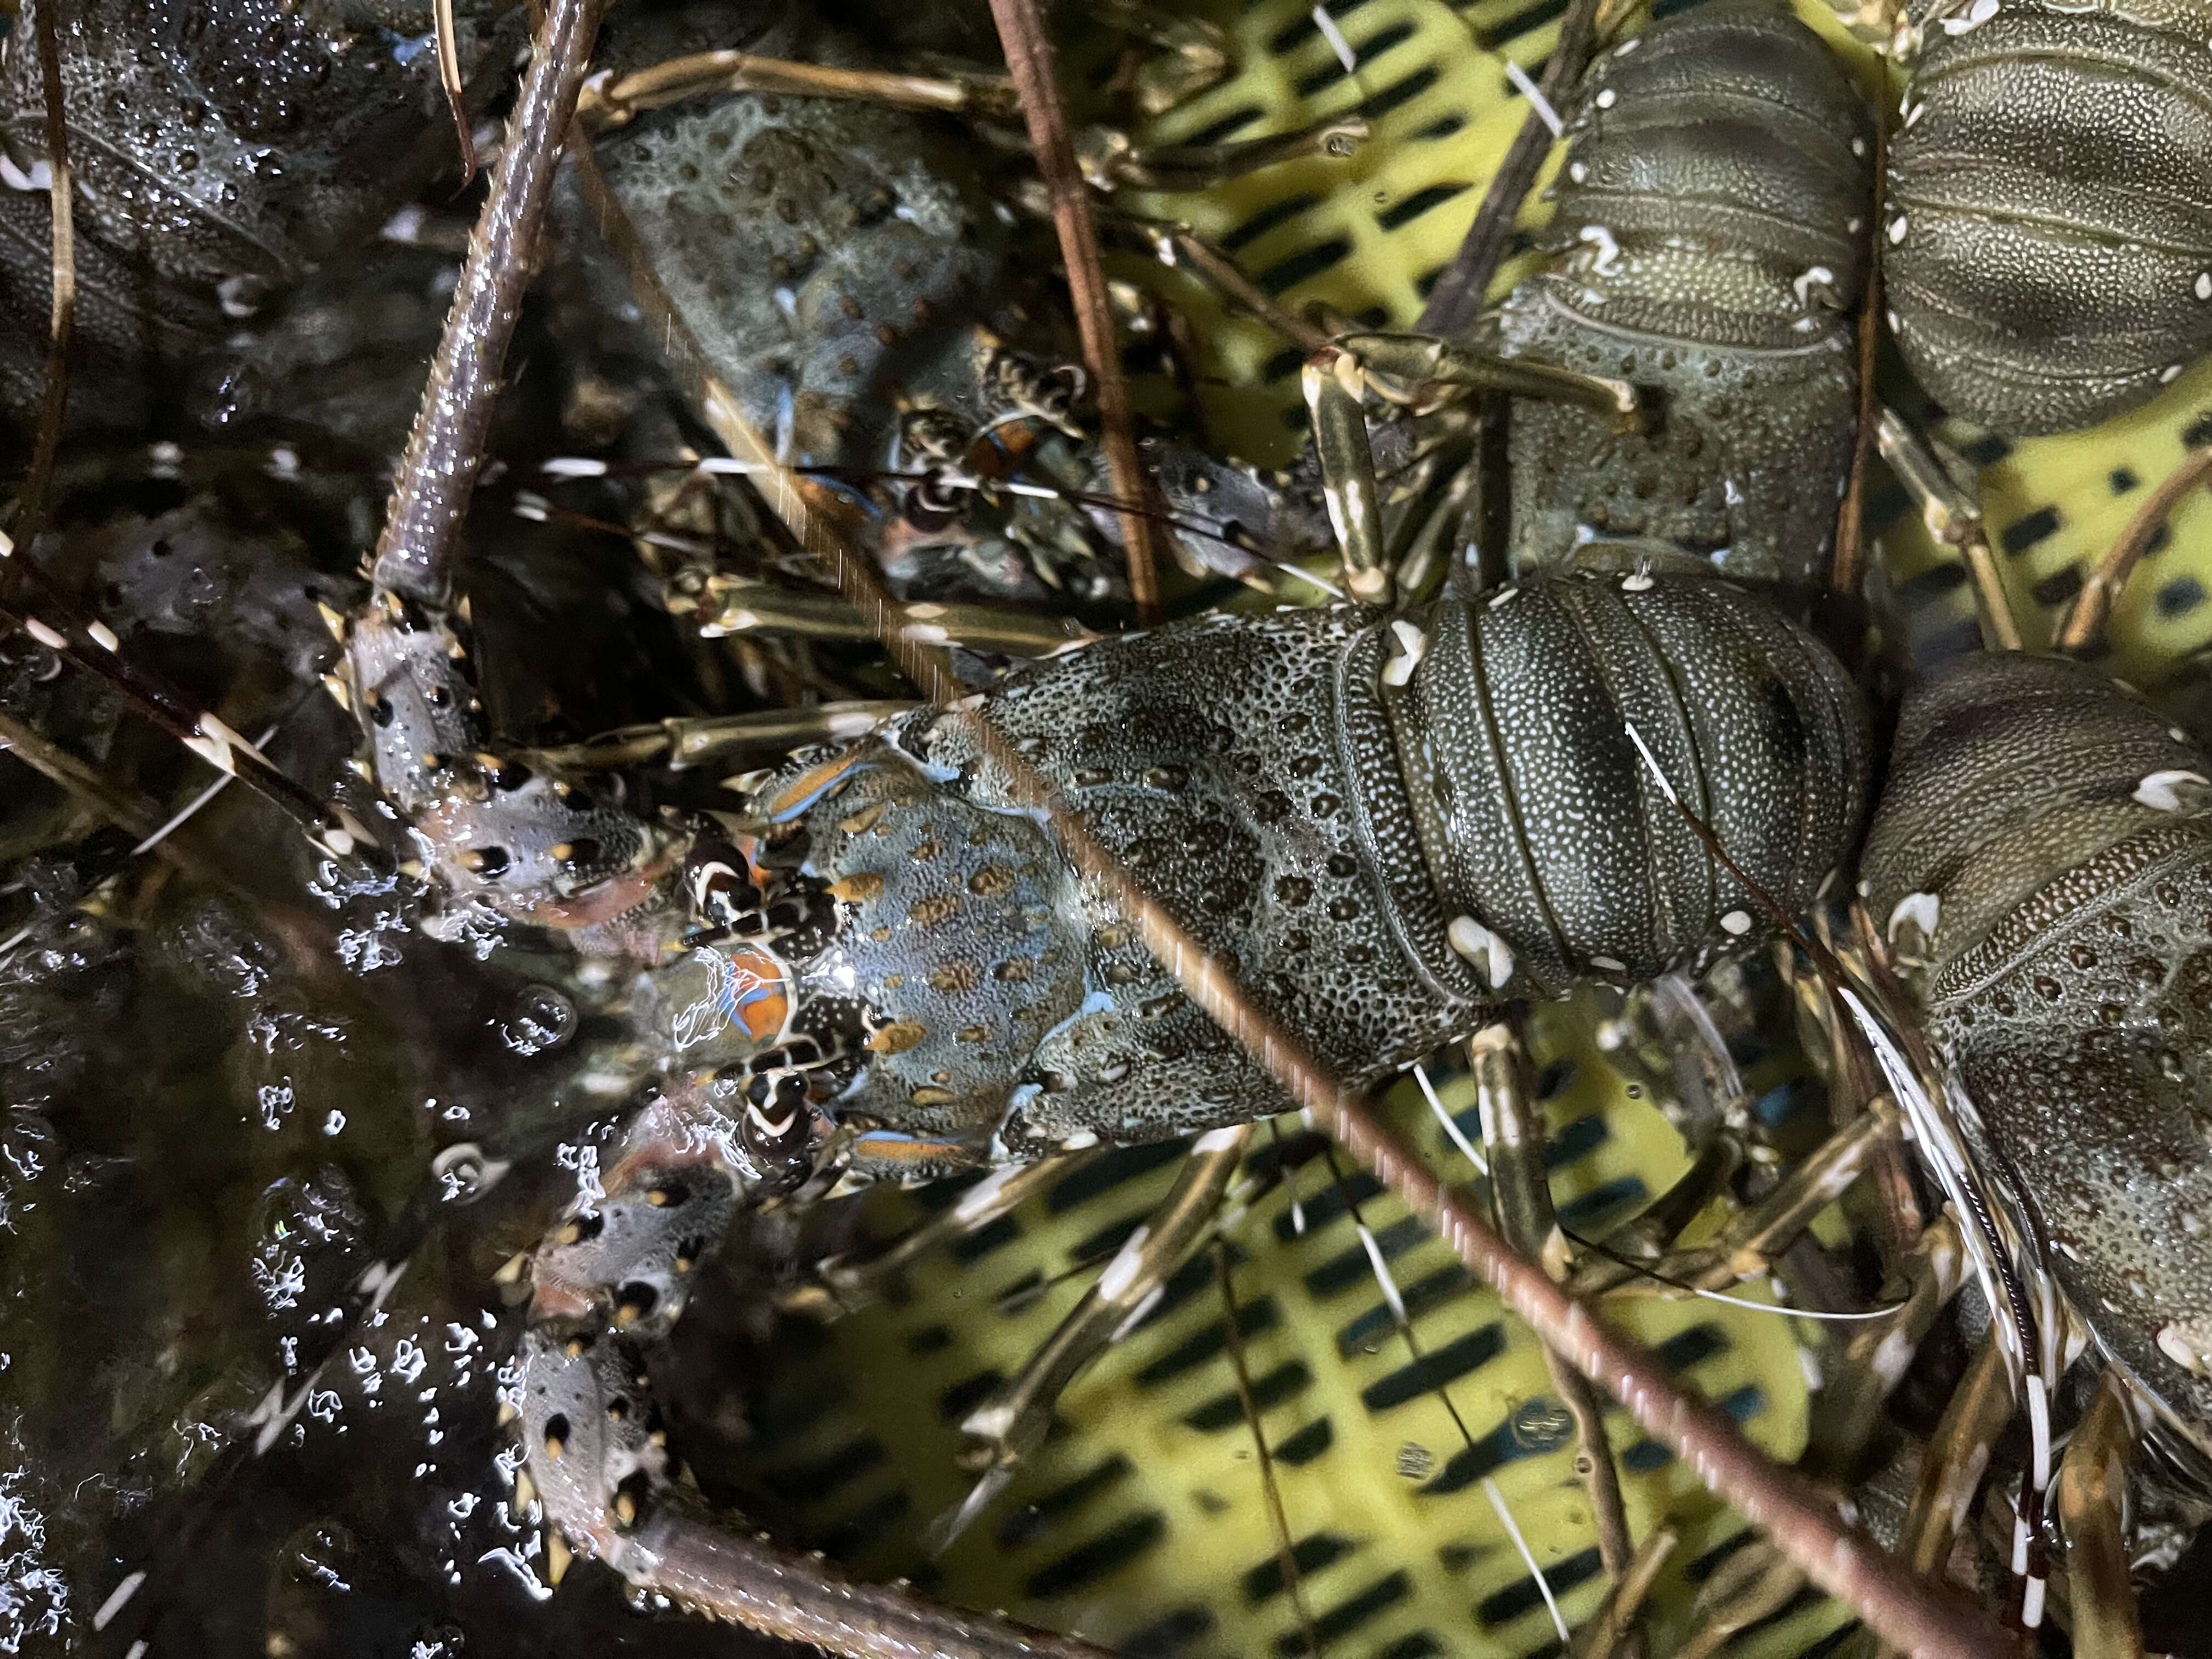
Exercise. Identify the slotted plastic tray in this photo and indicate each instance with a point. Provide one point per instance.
(1141, 1521)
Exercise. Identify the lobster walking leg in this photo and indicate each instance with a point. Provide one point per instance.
(1513, 1136)
(2092, 1487)
(1952, 1467)
(1012, 1422)
(608, 1282)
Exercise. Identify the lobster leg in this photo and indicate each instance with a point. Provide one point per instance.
(1513, 1135)
(1873, 1357)
(760, 738)
(1190, 54)
(1332, 382)
(1952, 1466)
(1954, 519)
(1011, 1423)
(732, 607)
(2083, 630)
(2093, 1481)
(1612, 1630)
(1194, 54)
(607, 1284)
(1756, 1581)
(1668, 1038)
(838, 1286)
(1761, 1232)
(1423, 374)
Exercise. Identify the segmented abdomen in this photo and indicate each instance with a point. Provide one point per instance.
(2042, 829)
(1385, 827)
(1708, 243)
(2051, 216)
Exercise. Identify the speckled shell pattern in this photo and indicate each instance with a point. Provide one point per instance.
(2042, 819)
(1380, 864)
(211, 143)
(837, 262)
(2050, 233)
(1708, 242)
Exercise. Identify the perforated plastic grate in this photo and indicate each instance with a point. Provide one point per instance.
(1140, 1523)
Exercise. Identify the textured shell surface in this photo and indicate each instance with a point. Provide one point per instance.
(2050, 262)
(1708, 244)
(219, 150)
(850, 278)
(838, 262)
(2047, 814)
(1379, 854)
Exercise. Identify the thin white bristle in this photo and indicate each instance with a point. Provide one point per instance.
(1535, 93)
(1337, 42)
(1651, 761)
(1382, 1276)
(190, 807)
(1452, 1129)
(1794, 1313)
(1528, 1556)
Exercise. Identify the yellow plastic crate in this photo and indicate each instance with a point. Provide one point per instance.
(1141, 1521)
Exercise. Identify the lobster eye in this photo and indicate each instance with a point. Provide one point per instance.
(935, 503)
(715, 876)
(778, 1126)
(1075, 381)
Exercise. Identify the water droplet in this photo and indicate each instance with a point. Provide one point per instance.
(543, 1019)
(1541, 1424)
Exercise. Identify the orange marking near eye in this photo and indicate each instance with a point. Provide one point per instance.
(760, 993)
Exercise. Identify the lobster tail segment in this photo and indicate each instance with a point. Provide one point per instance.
(1536, 731)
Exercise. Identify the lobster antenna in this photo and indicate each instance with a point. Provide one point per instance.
(1029, 62)
(1995, 1249)
(53, 399)
(1395, 1299)
(1286, 1554)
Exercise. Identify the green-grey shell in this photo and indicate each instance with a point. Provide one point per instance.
(2050, 212)
(1709, 243)
(1333, 827)
(2040, 818)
